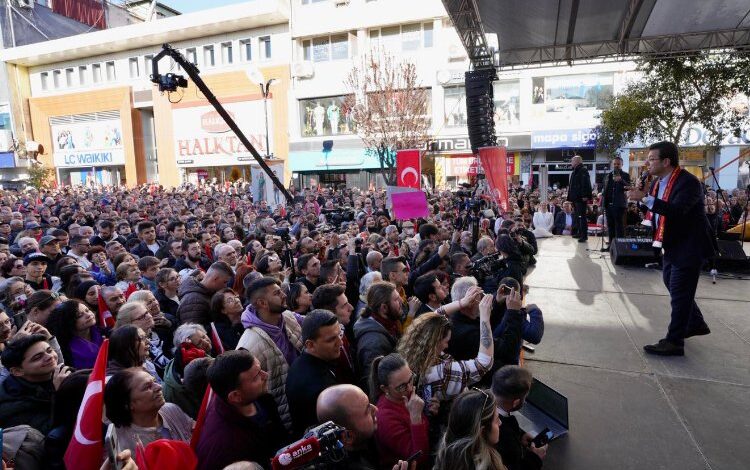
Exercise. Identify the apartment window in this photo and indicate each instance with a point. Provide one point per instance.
(56, 78)
(135, 71)
(455, 106)
(227, 56)
(96, 72)
(404, 38)
(322, 49)
(82, 74)
(427, 27)
(45, 80)
(208, 56)
(246, 45)
(148, 62)
(264, 44)
(69, 77)
(191, 55)
(111, 72)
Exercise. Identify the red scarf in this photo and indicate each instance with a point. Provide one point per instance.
(659, 230)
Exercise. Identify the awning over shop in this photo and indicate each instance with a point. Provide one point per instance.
(335, 160)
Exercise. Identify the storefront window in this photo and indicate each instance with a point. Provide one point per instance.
(325, 116)
(455, 106)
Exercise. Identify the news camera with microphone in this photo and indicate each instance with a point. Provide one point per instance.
(319, 448)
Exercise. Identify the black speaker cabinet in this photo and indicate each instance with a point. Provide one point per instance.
(634, 251)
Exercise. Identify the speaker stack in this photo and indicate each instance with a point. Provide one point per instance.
(633, 251)
(480, 107)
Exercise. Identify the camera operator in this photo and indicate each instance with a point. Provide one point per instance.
(349, 407)
(532, 323)
(509, 248)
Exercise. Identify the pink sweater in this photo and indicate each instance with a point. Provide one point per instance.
(396, 437)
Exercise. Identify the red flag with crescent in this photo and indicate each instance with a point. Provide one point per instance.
(408, 169)
(493, 160)
(87, 444)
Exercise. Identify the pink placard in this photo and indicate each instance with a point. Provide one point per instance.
(410, 205)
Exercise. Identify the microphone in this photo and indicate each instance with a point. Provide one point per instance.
(642, 179)
(297, 454)
(711, 169)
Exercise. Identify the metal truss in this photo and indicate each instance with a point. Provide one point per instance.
(465, 17)
(466, 20)
(677, 45)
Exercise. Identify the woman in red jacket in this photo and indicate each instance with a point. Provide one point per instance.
(402, 425)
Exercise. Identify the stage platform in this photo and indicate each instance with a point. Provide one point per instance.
(629, 410)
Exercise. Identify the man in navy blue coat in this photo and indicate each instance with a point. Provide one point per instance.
(677, 197)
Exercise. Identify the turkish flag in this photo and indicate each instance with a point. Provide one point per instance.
(87, 444)
(494, 163)
(216, 340)
(106, 320)
(201, 418)
(408, 169)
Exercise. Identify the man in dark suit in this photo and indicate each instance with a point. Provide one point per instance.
(565, 221)
(614, 200)
(676, 197)
(579, 193)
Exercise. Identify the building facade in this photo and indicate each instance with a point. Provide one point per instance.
(99, 118)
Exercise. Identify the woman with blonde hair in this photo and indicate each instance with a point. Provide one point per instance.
(424, 344)
(472, 434)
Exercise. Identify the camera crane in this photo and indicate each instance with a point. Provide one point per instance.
(170, 82)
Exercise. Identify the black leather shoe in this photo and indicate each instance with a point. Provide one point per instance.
(700, 331)
(664, 348)
(583, 240)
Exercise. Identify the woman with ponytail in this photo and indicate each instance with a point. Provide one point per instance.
(472, 434)
(402, 425)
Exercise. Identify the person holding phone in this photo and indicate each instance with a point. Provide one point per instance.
(511, 385)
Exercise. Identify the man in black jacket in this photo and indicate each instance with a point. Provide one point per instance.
(511, 385)
(579, 193)
(681, 229)
(149, 245)
(464, 342)
(313, 371)
(614, 199)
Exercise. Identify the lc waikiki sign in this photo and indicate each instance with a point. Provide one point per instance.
(88, 144)
(203, 139)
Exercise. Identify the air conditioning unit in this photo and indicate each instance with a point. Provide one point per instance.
(303, 69)
(26, 4)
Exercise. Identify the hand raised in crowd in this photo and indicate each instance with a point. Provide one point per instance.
(31, 328)
(415, 405)
(513, 300)
(541, 452)
(444, 249)
(404, 465)
(414, 305)
(125, 460)
(61, 373)
(485, 307)
(472, 297)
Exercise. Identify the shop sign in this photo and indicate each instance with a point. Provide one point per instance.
(563, 138)
(88, 144)
(202, 138)
(456, 144)
(697, 136)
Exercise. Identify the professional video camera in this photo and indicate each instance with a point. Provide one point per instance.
(319, 448)
(487, 266)
(283, 233)
(336, 217)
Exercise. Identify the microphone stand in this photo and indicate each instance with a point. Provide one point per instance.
(714, 272)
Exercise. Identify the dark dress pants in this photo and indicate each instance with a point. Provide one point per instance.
(580, 221)
(682, 283)
(615, 220)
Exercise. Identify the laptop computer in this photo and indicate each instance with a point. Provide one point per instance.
(544, 408)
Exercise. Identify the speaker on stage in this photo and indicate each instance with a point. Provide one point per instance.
(731, 254)
(634, 251)
(480, 107)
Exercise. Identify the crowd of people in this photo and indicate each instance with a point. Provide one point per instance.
(407, 334)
